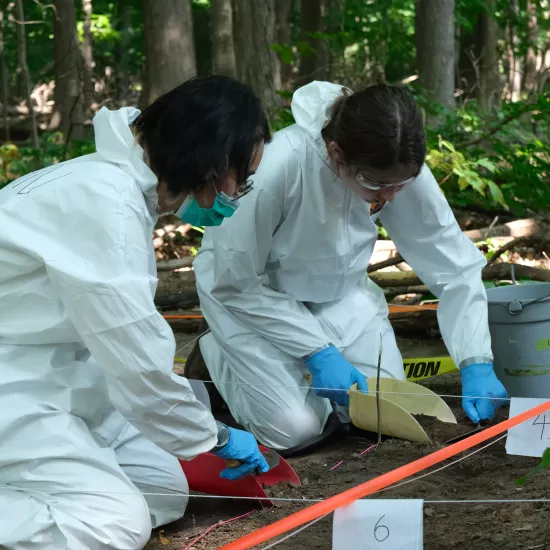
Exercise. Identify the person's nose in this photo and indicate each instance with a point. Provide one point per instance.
(388, 194)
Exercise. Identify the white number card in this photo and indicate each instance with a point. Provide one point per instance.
(379, 524)
(532, 437)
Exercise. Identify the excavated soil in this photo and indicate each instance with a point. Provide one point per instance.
(487, 475)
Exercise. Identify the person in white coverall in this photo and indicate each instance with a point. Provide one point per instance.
(283, 286)
(92, 416)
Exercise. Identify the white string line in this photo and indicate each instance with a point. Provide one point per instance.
(309, 387)
(445, 466)
(291, 534)
(280, 499)
(434, 395)
(192, 342)
(57, 491)
(302, 528)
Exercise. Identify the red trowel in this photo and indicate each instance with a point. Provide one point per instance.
(203, 476)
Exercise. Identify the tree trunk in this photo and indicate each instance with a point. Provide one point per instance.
(256, 61)
(68, 113)
(435, 50)
(514, 69)
(124, 27)
(489, 78)
(169, 46)
(530, 77)
(22, 48)
(87, 57)
(283, 17)
(202, 38)
(4, 77)
(222, 38)
(334, 22)
(312, 11)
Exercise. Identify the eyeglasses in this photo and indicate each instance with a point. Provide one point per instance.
(244, 188)
(371, 186)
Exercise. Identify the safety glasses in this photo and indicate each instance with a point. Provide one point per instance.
(371, 186)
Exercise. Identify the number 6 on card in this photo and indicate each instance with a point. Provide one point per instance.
(379, 525)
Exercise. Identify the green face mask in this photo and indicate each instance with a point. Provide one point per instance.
(191, 212)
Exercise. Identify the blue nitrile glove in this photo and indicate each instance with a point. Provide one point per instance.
(332, 373)
(480, 380)
(242, 447)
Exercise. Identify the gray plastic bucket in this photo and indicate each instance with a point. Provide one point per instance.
(519, 321)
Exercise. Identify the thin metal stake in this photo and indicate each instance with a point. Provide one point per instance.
(378, 391)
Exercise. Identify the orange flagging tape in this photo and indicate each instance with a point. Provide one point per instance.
(393, 309)
(347, 497)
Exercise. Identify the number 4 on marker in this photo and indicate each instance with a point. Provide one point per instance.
(543, 424)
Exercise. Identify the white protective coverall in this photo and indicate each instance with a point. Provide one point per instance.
(92, 415)
(288, 274)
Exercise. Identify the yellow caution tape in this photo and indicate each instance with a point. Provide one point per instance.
(419, 368)
(415, 368)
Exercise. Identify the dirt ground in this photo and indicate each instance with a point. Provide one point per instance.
(488, 475)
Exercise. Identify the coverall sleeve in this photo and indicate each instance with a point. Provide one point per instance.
(101, 277)
(424, 229)
(241, 248)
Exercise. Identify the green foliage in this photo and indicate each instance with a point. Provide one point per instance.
(509, 167)
(18, 161)
(543, 465)
(101, 29)
(454, 167)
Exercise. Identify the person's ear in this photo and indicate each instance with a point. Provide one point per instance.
(335, 153)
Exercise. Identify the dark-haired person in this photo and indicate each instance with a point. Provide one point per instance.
(92, 417)
(283, 286)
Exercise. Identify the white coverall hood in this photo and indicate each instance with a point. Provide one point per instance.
(116, 143)
(312, 105)
(288, 274)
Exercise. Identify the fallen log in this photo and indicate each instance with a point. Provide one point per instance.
(171, 265)
(180, 300)
(505, 247)
(190, 324)
(397, 259)
(502, 271)
(518, 228)
(391, 293)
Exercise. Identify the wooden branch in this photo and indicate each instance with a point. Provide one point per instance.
(397, 259)
(171, 265)
(505, 248)
(518, 228)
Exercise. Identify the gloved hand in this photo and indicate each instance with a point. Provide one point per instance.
(242, 447)
(480, 380)
(331, 372)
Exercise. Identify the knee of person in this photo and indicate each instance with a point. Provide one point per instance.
(130, 526)
(289, 429)
(172, 505)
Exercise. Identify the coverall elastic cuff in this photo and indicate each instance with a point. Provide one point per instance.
(316, 351)
(476, 360)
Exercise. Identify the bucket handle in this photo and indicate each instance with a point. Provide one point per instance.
(515, 306)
